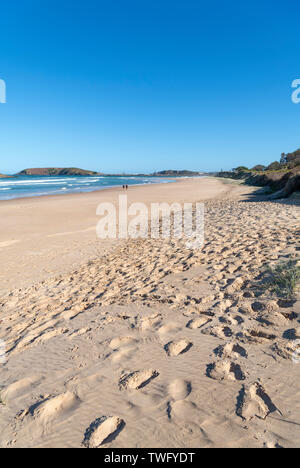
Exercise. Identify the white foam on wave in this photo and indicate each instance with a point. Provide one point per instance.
(35, 181)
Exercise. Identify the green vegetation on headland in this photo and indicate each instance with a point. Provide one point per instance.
(174, 173)
(58, 171)
(282, 177)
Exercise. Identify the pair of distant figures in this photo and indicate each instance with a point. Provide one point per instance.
(125, 187)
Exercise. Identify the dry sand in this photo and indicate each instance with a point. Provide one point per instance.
(144, 343)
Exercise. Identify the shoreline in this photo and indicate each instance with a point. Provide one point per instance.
(112, 187)
(44, 236)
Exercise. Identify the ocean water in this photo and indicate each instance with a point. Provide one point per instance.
(35, 186)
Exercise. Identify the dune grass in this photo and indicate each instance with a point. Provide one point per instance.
(283, 279)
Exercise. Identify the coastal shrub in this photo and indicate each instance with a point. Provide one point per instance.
(274, 166)
(240, 169)
(283, 278)
(259, 168)
(294, 163)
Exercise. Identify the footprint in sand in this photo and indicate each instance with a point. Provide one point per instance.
(116, 343)
(258, 306)
(103, 431)
(292, 334)
(79, 332)
(179, 389)
(123, 347)
(218, 332)
(51, 408)
(169, 328)
(286, 350)
(153, 321)
(198, 322)
(174, 348)
(137, 380)
(20, 387)
(37, 337)
(231, 319)
(231, 350)
(125, 352)
(257, 336)
(225, 370)
(254, 401)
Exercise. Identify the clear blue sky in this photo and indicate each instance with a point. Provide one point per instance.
(147, 85)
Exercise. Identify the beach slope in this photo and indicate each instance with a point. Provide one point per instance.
(146, 343)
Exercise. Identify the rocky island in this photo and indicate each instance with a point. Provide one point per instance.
(58, 171)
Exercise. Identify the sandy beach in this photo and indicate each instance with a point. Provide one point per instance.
(146, 343)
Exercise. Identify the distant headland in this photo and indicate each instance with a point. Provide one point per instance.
(74, 171)
(58, 171)
(173, 173)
